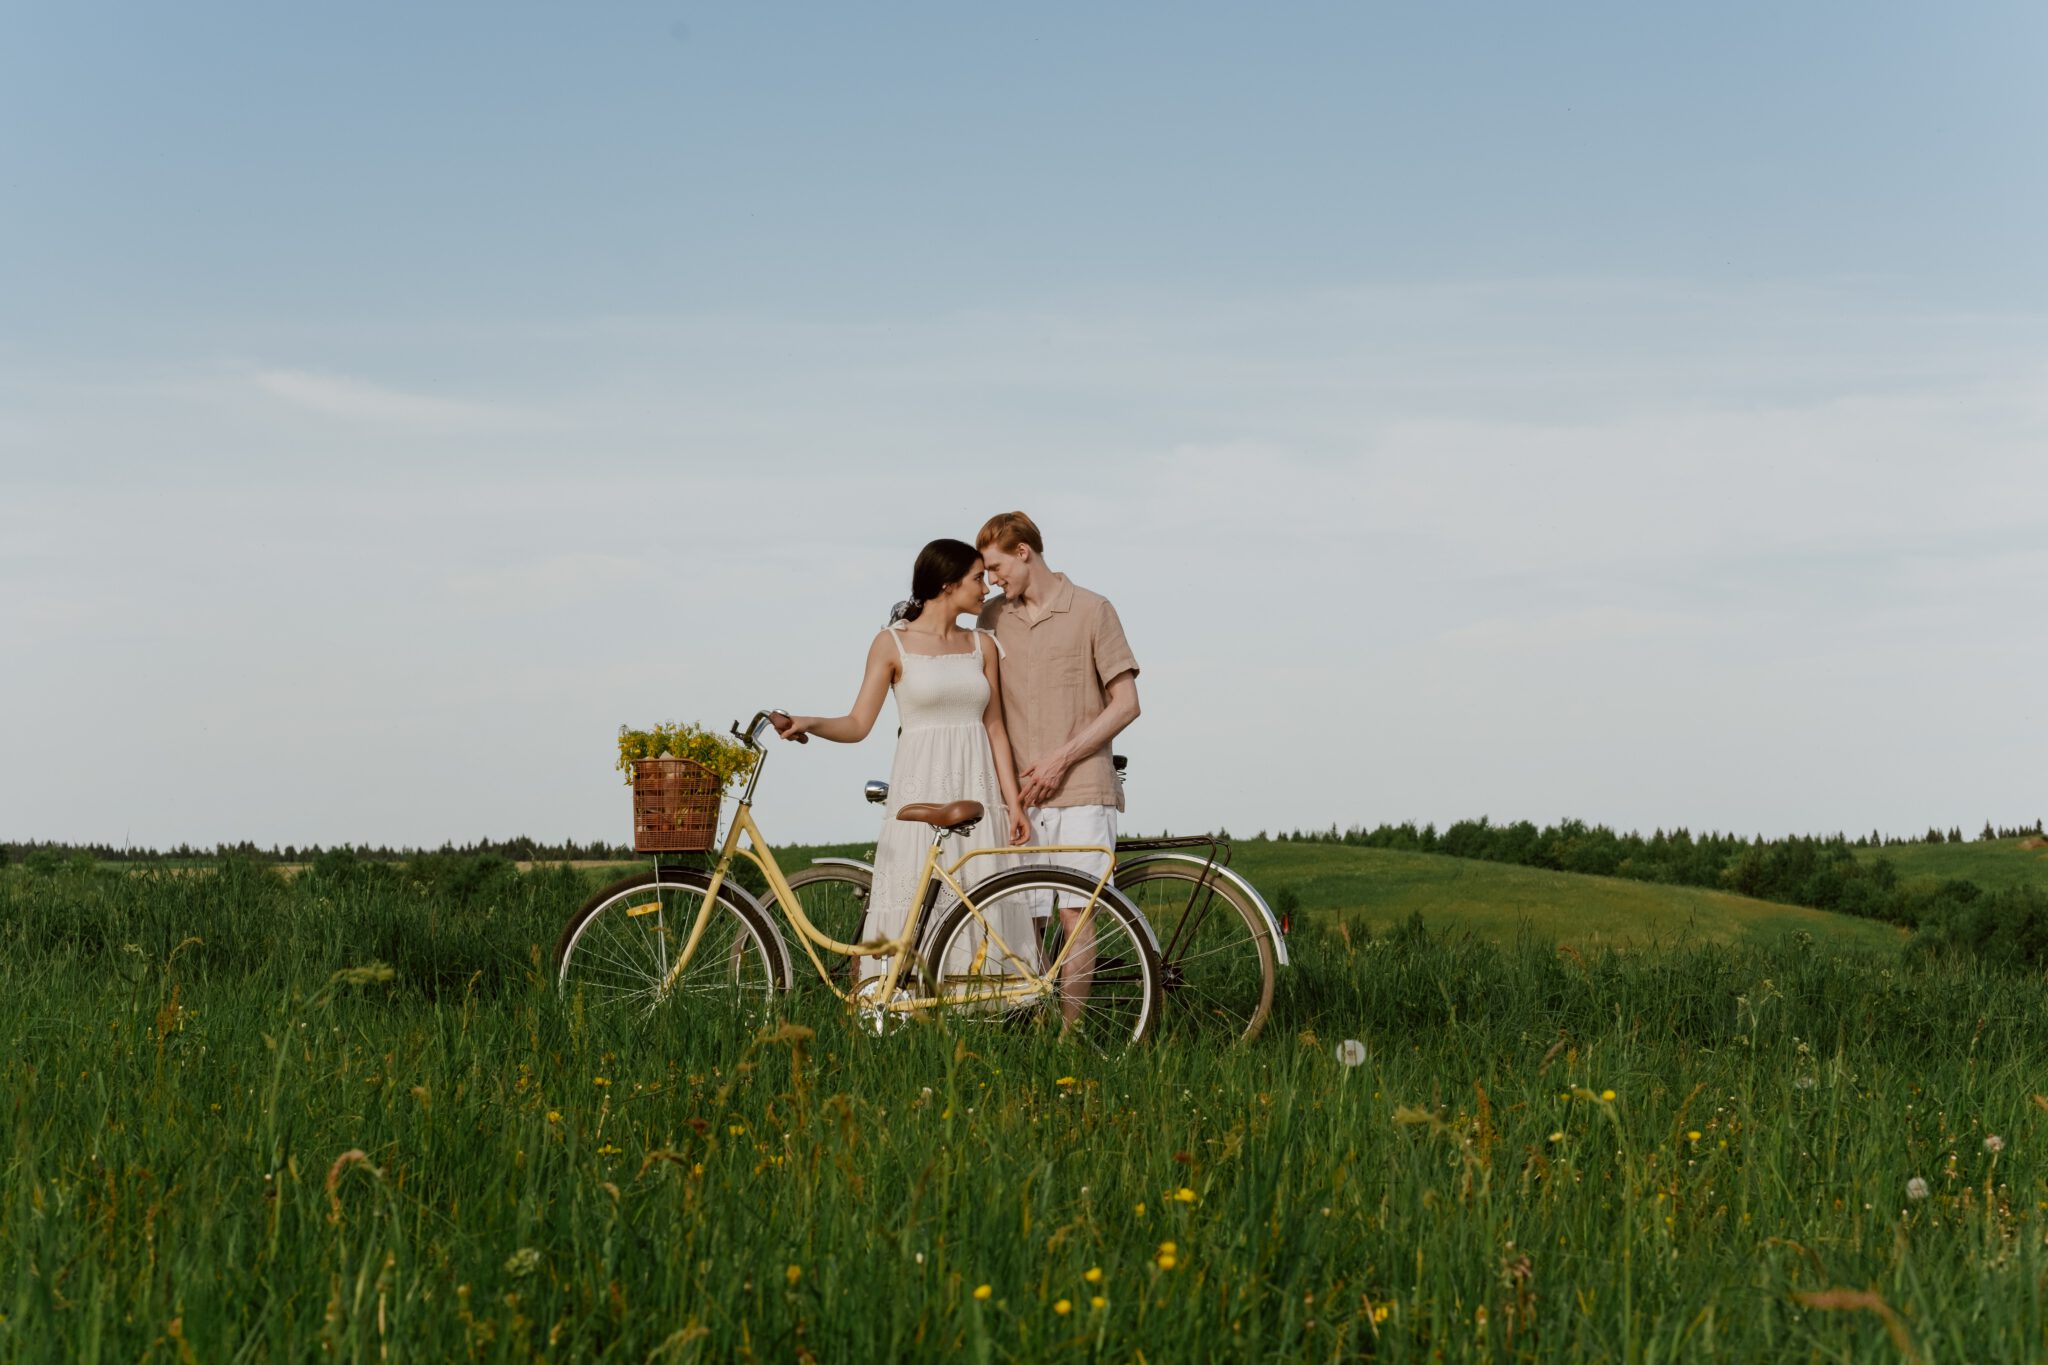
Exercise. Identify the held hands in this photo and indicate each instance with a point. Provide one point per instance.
(1039, 781)
(793, 727)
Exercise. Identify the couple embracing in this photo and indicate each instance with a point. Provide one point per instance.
(1017, 713)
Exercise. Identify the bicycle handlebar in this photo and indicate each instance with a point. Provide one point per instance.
(751, 736)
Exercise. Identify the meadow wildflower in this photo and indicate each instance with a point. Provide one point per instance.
(1063, 1307)
(1064, 1080)
(793, 1274)
(1168, 1257)
(1093, 1274)
(1916, 1188)
(1557, 1136)
(1607, 1095)
(1351, 1052)
(600, 1080)
(982, 1291)
(1692, 1135)
(554, 1116)
(1184, 1195)
(1139, 1209)
(1098, 1303)
(1994, 1144)
(609, 1149)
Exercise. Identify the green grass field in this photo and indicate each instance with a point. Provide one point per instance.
(345, 1116)
(1991, 864)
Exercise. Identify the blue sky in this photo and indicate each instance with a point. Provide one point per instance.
(1619, 411)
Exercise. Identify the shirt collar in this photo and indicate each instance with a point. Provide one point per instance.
(1061, 598)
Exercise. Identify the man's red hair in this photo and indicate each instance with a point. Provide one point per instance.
(1007, 530)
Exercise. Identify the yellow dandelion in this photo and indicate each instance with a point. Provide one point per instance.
(1098, 1303)
(793, 1274)
(1064, 1080)
(600, 1080)
(982, 1291)
(697, 1169)
(1140, 1210)
(1607, 1095)
(1168, 1248)
(1557, 1136)
(1093, 1274)
(1063, 1307)
(1184, 1195)
(736, 1129)
(1167, 1260)
(1379, 1312)
(1692, 1135)
(554, 1116)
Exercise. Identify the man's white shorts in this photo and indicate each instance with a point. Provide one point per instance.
(1088, 825)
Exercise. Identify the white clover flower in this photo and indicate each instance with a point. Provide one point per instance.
(1351, 1052)
(1916, 1188)
(1994, 1144)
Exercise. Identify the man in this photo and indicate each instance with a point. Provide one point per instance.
(1070, 686)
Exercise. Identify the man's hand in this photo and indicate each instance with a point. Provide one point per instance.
(1037, 783)
(792, 727)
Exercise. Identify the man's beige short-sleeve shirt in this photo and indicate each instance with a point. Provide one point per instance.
(1056, 673)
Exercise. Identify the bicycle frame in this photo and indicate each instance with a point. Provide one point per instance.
(1033, 984)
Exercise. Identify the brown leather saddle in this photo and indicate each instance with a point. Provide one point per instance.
(955, 817)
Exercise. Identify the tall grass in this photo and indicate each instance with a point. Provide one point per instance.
(236, 1137)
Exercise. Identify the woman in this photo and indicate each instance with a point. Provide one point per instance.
(952, 745)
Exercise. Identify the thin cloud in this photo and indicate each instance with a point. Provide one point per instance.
(360, 400)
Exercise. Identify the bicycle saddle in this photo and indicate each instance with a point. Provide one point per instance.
(955, 816)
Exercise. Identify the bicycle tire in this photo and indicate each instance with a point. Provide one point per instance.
(1127, 960)
(1216, 952)
(617, 949)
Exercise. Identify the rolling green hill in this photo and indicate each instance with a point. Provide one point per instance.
(1991, 864)
(1377, 888)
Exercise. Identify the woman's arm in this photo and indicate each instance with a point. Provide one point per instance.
(853, 727)
(999, 743)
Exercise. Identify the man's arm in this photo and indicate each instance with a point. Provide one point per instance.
(1120, 708)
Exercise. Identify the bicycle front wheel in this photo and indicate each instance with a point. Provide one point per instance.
(1105, 992)
(1216, 950)
(620, 948)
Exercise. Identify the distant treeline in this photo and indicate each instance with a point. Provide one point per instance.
(2008, 926)
(522, 849)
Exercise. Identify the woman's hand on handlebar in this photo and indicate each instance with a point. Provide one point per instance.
(797, 728)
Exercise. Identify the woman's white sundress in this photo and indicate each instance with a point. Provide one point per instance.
(942, 755)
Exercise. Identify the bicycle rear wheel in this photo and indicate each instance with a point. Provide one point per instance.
(617, 951)
(1110, 1001)
(1216, 950)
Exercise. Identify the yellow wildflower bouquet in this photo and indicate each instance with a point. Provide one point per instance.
(726, 758)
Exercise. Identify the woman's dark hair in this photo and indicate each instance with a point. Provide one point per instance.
(939, 566)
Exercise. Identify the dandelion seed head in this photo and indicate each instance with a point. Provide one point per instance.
(1916, 1188)
(1351, 1052)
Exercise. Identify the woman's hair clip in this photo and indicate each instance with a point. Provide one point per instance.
(906, 611)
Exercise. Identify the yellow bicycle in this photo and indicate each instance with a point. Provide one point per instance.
(1079, 958)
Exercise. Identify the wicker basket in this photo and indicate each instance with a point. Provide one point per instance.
(675, 806)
